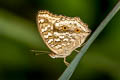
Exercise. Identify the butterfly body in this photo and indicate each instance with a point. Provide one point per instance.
(61, 34)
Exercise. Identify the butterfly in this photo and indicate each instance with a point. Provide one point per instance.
(61, 34)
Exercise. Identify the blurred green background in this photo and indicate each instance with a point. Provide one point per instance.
(19, 34)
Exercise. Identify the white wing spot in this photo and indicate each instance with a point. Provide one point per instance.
(56, 24)
(50, 40)
(61, 37)
(49, 34)
(68, 43)
(52, 45)
(58, 46)
(45, 28)
(66, 39)
(41, 20)
(42, 30)
(72, 40)
(45, 36)
(63, 44)
(48, 26)
(57, 39)
(56, 33)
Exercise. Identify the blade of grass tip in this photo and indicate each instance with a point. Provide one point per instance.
(71, 68)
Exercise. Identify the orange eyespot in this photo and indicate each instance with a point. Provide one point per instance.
(77, 30)
(64, 28)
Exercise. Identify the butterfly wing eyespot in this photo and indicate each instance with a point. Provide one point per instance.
(64, 28)
(77, 30)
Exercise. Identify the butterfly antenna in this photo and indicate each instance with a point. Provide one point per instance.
(37, 52)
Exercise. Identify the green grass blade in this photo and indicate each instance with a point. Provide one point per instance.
(69, 71)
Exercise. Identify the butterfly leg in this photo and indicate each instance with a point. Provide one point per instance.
(80, 46)
(53, 55)
(83, 44)
(76, 51)
(66, 63)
